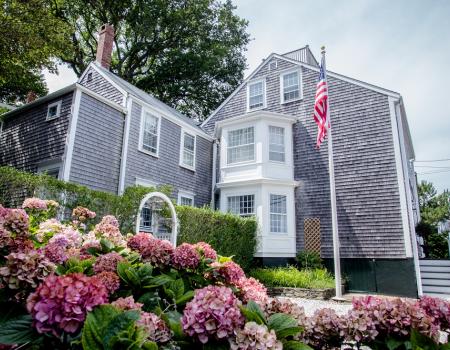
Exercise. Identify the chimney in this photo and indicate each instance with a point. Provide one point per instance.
(31, 96)
(105, 45)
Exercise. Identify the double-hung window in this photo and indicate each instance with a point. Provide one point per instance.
(290, 86)
(185, 198)
(146, 219)
(150, 130)
(241, 145)
(256, 92)
(276, 144)
(242, 205)
(278, 214)
(187, 150)
(53, 110)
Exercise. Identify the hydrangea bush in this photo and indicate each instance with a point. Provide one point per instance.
(87, 285)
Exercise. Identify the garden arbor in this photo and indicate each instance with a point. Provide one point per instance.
(157, 206)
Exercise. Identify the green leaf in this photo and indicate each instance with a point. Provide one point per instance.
(17, 330)
(106, 245)
(295, 345)
(177, 287)
(252, 312)
(420, 341)
(173, 319)
(95, 324)
(150, 345)
(283, 325)
(185, 297)
(393, 343)
(118, 324)
(159, 281)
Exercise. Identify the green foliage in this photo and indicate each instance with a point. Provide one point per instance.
(229, 234)
(17, 330)
(157, 44)
(253, 313)
(31, 37)
(434, 207)
(309, 260)
(292, 277)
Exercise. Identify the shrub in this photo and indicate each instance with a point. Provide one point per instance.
(309, 260)
(229, 234)
(292, 277)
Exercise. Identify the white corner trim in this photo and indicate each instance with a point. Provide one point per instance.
(71, 135)
(126, 136)
(183, 133)
(101, 98)
(400, 178)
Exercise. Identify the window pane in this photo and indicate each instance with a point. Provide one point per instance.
(186, 201)
(241, 145)
(150, 133)
(188, 150)
(256, 95)
(189, 142)
(278, 214)
(242, 205)
(291, 86)
(146, 219)
(276, 144)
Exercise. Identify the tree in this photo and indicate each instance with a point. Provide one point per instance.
(434, 207)
(31, 37)
(187, 53)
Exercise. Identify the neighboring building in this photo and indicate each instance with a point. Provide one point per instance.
(254, 155)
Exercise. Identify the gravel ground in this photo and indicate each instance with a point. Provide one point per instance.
(312, 305)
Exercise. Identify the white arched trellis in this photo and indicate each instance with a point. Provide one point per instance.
(147, 197)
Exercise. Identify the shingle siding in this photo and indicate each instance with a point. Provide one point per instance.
(370, 223)
(28, 139)
(97, 146)
(166, 169)
(101, 86)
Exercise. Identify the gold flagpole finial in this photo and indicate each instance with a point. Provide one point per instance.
(322, 49)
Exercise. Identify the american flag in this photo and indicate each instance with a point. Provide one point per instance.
(321, 110)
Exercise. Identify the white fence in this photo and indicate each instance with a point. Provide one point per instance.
(435, 276)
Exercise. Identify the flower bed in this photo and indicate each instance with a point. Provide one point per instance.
(76, 285)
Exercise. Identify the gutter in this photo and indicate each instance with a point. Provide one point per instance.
(213, 181)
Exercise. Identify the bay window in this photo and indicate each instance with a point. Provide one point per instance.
(243, 205)
(276, 144)
(278, 214)
(241, 145)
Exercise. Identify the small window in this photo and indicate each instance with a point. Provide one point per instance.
(150, 131)
(53, 110)
(276, 144)
(51, 169)
(290, 86)
(185, 198)
(278, 214)
(241, 145)
(146, 219)
(273, 65)
(242, 205)
(187, 150)
(89, 77)
(256, 92)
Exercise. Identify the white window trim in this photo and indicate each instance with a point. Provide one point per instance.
(183, 133)
(185, 194)
(1, 127)
(284, 144)
(227, 209)
(263, 80)
(286, 215)
(43, 168)
(228, 164)
(58, 110)
(141, 133)
(145, 182)
(300, 85)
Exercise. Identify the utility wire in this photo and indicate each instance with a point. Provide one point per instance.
(432, 160)
(434, 172)
(431, 166)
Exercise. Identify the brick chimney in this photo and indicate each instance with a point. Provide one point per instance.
(105, 45)
(31, 96)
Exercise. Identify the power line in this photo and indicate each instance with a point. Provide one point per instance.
(431, 166)
(432, 160)
(434, 172)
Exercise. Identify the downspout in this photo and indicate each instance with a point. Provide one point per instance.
(126, 131)
(213, 181)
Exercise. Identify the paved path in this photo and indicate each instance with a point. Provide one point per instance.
(312, 305)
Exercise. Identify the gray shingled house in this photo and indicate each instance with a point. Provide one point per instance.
(254, 155)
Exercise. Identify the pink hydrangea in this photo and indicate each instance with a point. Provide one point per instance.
(110, 280)
(185, 256)
(48, 229)
(158, 252)
(229, 271)
(437, 308)
(213, 313)
(110, 232)
(255, 337)
(252, 289)
(155, 328)
(325, 329)
(83, 214)
(55, 253)
(68, 238)
(16, 221)
(127, 303)
(206, 250)
(286, 306)
(78, 253)
(139, 241)
(23, 271)
(61, 303)
(34, 204)
(107, 262)
(109, 220)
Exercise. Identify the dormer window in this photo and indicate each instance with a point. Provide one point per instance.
(290, 86)
(256, 91)
(53, 110)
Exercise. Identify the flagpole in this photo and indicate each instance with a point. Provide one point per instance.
(334, 221)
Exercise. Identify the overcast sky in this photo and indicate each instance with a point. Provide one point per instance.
(402, 45)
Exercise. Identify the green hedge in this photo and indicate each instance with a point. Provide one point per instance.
(229, 234)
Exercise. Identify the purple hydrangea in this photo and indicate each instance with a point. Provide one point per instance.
(229, 271)
(252, 289)
(155, 328)
(255, 337)
(437, 308)
(110, 280)
(107, 262)
(16, 221)
(34, 204)
(55, 253)
(158, 252)
(213, 313)
(185, 256)
(127, 303)
(206, 250)
(139, 241)
(61, 303)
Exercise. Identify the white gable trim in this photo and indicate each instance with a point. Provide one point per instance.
(331, 74)
(101, 98)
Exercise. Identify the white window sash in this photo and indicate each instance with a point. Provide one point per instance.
(277, 148)
(242, 205)
(185, 195)
(278, 218)
(292, 88)
(56, 104)
(243, 146)
(186, 153)
(259, 96)
(150, 148)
